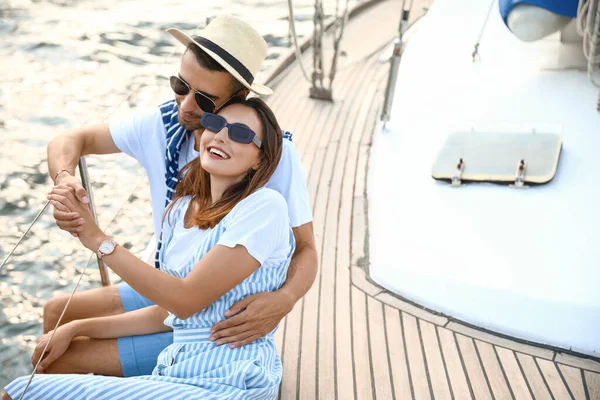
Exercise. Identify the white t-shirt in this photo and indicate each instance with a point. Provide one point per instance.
(144, 138)
(259, 223)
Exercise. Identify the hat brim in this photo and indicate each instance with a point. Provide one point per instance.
(186, 40)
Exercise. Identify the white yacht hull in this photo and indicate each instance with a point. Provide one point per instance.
(524, 263)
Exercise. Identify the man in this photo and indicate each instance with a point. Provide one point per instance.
(216, 66)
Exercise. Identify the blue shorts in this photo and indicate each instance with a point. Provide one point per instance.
(138, 354)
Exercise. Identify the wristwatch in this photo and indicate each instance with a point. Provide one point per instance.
(106, 247)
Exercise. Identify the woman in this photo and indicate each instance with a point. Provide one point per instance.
(225, 238)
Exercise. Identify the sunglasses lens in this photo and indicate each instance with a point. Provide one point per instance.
(204, 102)
(241, 134)
(178, 86)
(212, 122)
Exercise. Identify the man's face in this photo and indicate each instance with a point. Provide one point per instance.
(215, 85)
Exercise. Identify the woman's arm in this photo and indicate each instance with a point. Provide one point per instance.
(139, 322)
(219, 270)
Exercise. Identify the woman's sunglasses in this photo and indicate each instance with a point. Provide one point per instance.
(182, 88)
(237, 132)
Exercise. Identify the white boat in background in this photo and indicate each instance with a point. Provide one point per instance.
(523, 263)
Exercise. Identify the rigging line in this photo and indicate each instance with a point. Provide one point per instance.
(73, 291)
(48, 201)
(89, 259)
(337, 42)
(24, 234)
(487, 17)
(112, 110)
(296, 47)
(55, 328)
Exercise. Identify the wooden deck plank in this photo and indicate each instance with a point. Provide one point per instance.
(513, 372)
(574, 381)
(379, 350)
(362, 367)
(538, 386)
(500, 341)
(493, 370)
(552, 377)
(343, 315)
(579, 362)
(397, 356)
(477, 378)
(435, 363)
(279, 336)
(592, 381)
(454, 366)
(289, 384)
(337, 151)
(353, 342)
(416, 361)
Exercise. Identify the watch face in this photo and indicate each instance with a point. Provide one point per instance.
(106, 247)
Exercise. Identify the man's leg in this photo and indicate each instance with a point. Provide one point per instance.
(127, 356)
(85, 355)
(97, 302)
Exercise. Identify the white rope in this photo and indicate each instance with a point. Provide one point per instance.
(475, 52)
(295, 37)
(588, 26)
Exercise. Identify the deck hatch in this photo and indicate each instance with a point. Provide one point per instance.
(512, 158)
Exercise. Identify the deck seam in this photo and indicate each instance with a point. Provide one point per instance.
(437, 336)
(351, 107)
(425, 358)
(485, 375)
(352, 345)
(462, 362)
(343, 127)
(585, 387)
(387, 347)
(523, 374)
(512, 393)
(564, 381)
(370, 349)
(412, 389)
(543, 377)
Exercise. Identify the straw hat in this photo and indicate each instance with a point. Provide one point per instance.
(234, 44)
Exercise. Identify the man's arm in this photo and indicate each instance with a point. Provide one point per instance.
(263, 311)
(303, 267)
(64, 152)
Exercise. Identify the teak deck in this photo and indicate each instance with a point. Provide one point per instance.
(348, 338)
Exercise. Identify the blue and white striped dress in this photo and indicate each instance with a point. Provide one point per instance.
(193, 367)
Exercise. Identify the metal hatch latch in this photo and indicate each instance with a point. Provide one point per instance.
(520, 175)
(460, 166)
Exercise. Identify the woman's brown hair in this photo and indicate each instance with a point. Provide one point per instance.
(195, 181)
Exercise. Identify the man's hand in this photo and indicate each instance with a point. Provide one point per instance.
(90, 235)
(260, 314)
(66, 219)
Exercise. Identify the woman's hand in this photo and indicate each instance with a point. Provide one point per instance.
(63, 198)
(57, 347)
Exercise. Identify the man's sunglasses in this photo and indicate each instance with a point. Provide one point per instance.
(237, 132)
(182, 88)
